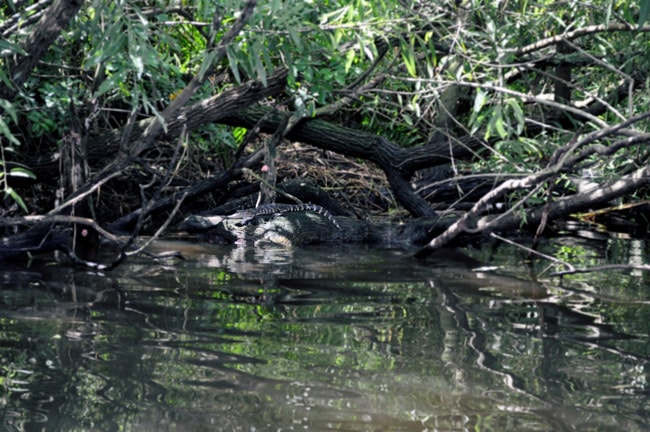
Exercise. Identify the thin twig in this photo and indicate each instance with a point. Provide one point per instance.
(250, 172)
(533, 251)
(160, 230)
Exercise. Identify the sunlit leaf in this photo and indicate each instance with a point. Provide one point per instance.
(334, 16)
(138, 64)
(479, 100)
(22, 173)
(349, 59)
(239, 133)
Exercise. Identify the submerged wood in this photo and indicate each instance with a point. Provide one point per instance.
(37, 239)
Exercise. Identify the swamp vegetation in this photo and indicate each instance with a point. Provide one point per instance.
(478, 117)
(465, 241)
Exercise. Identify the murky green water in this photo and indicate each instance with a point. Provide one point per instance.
(344, 339)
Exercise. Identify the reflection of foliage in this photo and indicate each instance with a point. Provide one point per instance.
(187, 343)
(575, 254)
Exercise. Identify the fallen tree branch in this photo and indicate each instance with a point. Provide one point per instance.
(195, 190)
(156, 126)
(57, 218)
(398, 163)
(561, 208)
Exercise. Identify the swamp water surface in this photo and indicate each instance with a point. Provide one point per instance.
(319, 339)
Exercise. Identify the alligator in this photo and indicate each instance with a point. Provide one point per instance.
(249, 215)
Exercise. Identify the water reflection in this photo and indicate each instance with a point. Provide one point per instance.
(352, 339)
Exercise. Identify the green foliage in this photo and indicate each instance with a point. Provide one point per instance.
(16, 170)
(138, 55)
(644, 12)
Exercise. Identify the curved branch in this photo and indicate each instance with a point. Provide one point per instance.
(203, 112)
(156, 126)
(397, 163)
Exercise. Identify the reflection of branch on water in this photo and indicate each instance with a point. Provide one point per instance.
(570, 268)
(518, 341)
(479, 329)
(642, 267)
(477, 341)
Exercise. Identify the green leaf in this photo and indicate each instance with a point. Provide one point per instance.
(14, 195)
(496, 124)
(232, 62)
(479, 100)
(409, 61)
(295, 37)
(260, 70)
(138, 63)
(6, 132)
(9, 108)
(10, 48)
(239, 133)
(211, 56)
(518, 114)
(349, 59)
(22, 173)
(499, 124)
(364, 48)
(334, 16)
(644, 12)
(5, 79)
(110, 83)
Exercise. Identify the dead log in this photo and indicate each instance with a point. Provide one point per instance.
(38, 239)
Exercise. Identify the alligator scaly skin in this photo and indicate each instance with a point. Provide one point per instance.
(248, 215)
